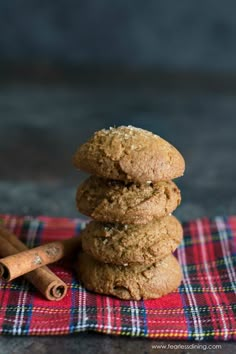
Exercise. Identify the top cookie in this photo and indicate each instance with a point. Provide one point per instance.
(129, 154)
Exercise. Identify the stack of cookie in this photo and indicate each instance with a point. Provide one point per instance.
(127, 248)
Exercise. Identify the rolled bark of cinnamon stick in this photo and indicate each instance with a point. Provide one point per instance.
(51, 286)
(14, 266)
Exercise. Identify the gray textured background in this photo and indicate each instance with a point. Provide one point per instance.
(189, 35)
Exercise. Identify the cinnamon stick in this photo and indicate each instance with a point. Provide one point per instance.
(52, 287)
(15, 265)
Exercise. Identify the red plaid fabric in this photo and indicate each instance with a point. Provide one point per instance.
(203, 307)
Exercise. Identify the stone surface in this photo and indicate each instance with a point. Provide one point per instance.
(104, 344)
(40, 128)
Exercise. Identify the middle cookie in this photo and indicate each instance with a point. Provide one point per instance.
(125, 244)
(114, 201)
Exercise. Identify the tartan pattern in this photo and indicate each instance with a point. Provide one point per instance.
(203, 307)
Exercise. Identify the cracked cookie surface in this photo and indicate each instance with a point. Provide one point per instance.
(132, 282)
(115, 201)
(126, 244)
(129, 154)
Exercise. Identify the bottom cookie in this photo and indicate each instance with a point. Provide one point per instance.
(132, 282)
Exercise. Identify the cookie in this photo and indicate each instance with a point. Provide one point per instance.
(115, 201)
(132, 282)
(126, 244)
(129, 154)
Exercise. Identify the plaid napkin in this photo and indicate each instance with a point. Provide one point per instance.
(203, 307)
